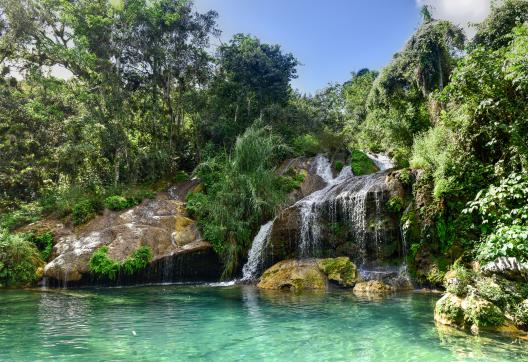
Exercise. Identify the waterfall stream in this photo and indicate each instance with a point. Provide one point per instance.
(346, 198)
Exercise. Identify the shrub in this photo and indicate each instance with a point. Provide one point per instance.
(83, 212)
(456, 280)
(117, 203)
(102, 266)
(405, 177)
(520, 314)
(510, 241)
(292, 180)
(307, 145)
(44, 243)
(361, 164)
(26, 214)
(19, 260)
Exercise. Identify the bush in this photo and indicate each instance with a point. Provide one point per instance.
(482, 313)
(26, 214)
(361, 164)
(102, 266)
(19, 260)
(307, 145)
(456, 280)
(510, 241)
(292, 180)
(405, 177)
(83, 212)
(44, 243)
(117, 203)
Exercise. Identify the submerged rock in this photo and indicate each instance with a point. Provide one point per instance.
(294, 275)
(159, 223)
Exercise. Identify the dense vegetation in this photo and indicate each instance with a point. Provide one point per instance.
(148, 101)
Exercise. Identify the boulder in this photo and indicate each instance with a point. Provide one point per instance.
(448, 310)
(340, 270)
(376, 287)
(158, 223)
(509, 268)
(294, 275)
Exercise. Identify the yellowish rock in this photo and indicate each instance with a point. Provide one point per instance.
(294, 275)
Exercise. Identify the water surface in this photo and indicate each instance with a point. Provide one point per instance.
(235, 323)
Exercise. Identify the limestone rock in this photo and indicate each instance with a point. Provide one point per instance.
(373, 287)
(509, 268)
(159, 224)
(294, 275)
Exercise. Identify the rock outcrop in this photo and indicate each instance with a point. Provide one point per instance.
(374, 287)
(492, 298)
(297, 275)
(179, 253)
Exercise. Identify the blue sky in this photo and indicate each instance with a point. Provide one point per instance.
(332, 38)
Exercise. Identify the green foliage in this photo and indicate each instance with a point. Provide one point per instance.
(457, 280)
(503, 210)
(395, 204)
(241, 192)
(361, 164)
(116, 203)
(292, 180)
(338, 165)
(307, 145)
(44, 243)
(405, 177)
(25, 214)
(482, 313)
(83, 212)
(19, 260)
(102, 266)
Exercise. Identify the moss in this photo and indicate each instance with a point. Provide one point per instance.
(292, 180)
(435, 276)
(361, 164)
(338, 165)
(482, 313)
(395, 204)
(341, 270)
(448, 310)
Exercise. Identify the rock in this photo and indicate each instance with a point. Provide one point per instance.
(159, 224)
(509, 268)
(340, 270)
(448, 310)
(185, 231)
(294, 275)
(373, 287)
(456, 281)
(481, 313)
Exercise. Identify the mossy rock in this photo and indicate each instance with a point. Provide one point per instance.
(361, 164)
(340, 270)
(293, 275)
(481, 312)
(448, 310)
(456, 280)
(520, 314)
(373, 287)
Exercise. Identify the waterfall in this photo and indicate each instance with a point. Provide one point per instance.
(357, 201)
(253, 267)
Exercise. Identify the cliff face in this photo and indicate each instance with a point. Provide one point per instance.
(179, 253)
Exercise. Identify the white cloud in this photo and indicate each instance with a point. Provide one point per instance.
(461, 12)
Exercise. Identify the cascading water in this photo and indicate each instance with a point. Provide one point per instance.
(356, 201)
(253, 267)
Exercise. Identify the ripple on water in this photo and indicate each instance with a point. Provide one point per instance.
(236, 322)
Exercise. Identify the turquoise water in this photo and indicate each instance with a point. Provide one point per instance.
(237, 323)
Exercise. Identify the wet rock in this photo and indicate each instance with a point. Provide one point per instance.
(159, 223)
(448, 310)
(509, 268)
(372, 287)
(294, 275)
